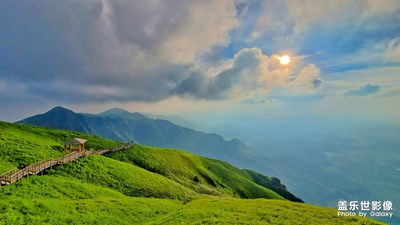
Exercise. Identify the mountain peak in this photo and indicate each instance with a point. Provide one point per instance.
(57, 117)
(115, 112)
(59, 109)
(237, 141)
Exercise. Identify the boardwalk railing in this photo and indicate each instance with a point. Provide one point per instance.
(15, 175)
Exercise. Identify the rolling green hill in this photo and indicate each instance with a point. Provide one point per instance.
(24, 145)
(142, 185)
(204, 175)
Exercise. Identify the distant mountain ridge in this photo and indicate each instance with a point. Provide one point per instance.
(121, 125)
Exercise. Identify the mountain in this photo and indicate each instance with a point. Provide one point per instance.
(174, 119)
(140, 185)
(124, 126)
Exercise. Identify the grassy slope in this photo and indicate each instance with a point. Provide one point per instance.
(57, 200)
(204, 175)
(22, 145)
(256, 211)
(125, 178)
(99, 190)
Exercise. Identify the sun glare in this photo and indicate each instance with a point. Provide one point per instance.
(284, 60)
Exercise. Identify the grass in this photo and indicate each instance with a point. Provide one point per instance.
(56, 200)
(257, 211)
(206, 176)
(125, 178)
(142, 185)
(22, 145)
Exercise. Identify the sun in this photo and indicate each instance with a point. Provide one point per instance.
(284, 60)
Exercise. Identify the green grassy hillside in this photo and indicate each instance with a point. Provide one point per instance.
(125, 178)
(56, 200)
(22, 145)
(53, 199)
(256, 211)
(140, 171)
(142, 185)
(204, 175)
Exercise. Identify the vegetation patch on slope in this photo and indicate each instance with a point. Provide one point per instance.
(257, 211)
(198, 173)
(59, 200)
(125, 178)
(22, 145)
(53, 199)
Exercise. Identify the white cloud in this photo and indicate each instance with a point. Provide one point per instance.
(144, 48)
(341, 82)
(372, 7)
(365, 90)
(393, 92)
(392, 52)
(134, 35)
(292, 20)
(372, 53)
(251, 74)
(308, 77)
(205, 24)
(333, 12)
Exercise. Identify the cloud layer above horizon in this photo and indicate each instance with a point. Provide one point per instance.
(99, 51)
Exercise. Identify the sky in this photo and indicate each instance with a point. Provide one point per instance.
(205, 60)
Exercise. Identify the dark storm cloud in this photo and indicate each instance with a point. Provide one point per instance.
(146, 89)
(244, 71)
(208, 88)
(317, 83)
(98, 51)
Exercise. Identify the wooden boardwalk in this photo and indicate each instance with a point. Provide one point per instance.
(15, 175)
